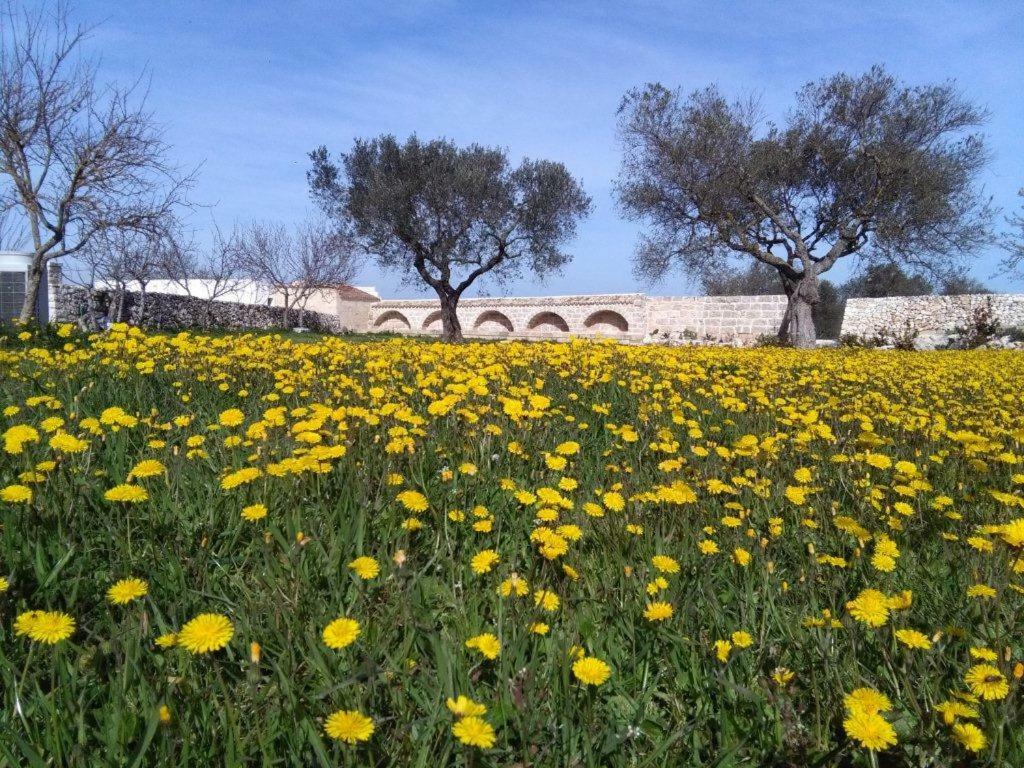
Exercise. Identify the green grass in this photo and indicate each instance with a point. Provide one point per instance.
(94, 699)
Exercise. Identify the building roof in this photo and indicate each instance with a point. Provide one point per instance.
(351, 293)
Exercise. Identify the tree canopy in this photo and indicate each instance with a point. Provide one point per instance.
(448, 215)
(862, 165)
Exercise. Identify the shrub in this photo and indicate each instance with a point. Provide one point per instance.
(982, 326)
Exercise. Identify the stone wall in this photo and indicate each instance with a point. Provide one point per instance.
(164, 311)
(928, 314)
(626, 316)
(354, 315)
(718, 317)
(618, 315)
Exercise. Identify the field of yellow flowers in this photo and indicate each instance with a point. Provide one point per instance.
(256, 550)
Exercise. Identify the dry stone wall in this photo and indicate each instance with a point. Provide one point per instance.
(937, 315)
(164, 311)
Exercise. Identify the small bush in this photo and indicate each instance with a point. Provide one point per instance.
(770, 340)
(981, 328)
(906, 338)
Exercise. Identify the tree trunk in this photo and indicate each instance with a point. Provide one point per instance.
(33, 280)
(798, 322)
(451, 328)
(142, 306)
(118, 307)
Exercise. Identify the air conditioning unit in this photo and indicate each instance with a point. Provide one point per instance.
(14, 284)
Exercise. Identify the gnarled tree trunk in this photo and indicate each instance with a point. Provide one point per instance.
(798, 323)
(451, 328)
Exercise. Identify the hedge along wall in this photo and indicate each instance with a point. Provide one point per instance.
(164, 311)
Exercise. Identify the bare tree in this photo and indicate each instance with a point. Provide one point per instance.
(316, 257)
(1013, 242)
(81, 158)
(122, 262)
(11, 236)
(207, 273)
(446, 215)
(863, 165)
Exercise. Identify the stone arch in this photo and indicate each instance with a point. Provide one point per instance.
(493, 321)
(548, 322)
(607, 321)
(392, 320)
(432, 322)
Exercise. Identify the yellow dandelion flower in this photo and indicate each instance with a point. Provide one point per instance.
(340, 633)
(913, 639)
(16, 494)
(987, 682)
(486, 644)
(124, 591)
(484, 561)
(474, 732)
(254, 512)
(205, 633)
(658, 611)
(365, 567)
(127, 493)
(870, 607)
(463, 706)
(970, 737)
(591, 670)
(349, 726)
(50, 627)
(870, 730)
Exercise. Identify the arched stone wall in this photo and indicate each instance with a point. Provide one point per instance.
(392, 320)
(493, 321)
(548, 322)
(608, 322)
(432, 322)
(623, 316)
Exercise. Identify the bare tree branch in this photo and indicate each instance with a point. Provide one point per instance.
(295, 265)
(81, 159)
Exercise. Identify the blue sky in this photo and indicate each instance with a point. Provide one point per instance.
(246, 89)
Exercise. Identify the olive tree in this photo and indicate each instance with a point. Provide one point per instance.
(862, 166)
(448, 215)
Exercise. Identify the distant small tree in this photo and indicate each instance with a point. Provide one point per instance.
(862, 166)
(1013, 242)
(79, 158)
(880, 280)
(958, 285)
(207, 273)
(295, 265)
(448, 215)
(119, 260)
(828, 312)
(756, 280)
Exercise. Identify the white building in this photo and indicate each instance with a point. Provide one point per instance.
(237, 291)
